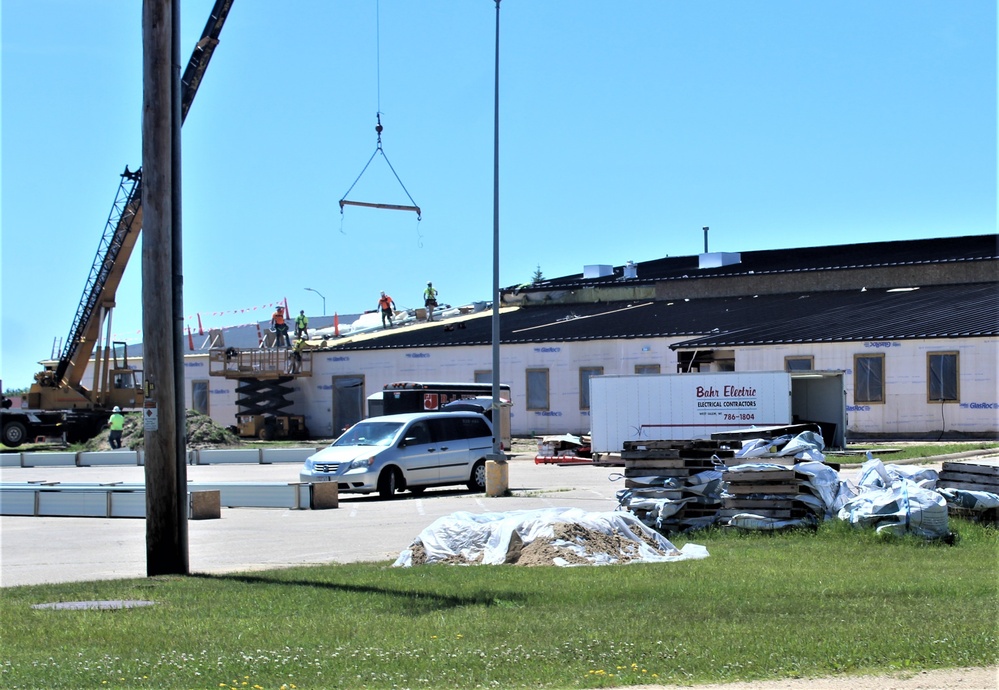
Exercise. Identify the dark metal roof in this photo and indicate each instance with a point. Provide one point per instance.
(937, 311)
(795, 260)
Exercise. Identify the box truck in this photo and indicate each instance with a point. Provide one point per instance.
(696, 405)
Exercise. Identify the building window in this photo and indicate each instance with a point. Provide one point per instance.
(199, 396)
(584, 384)
(705, 360)
(647, 369)
(484, 376)
(537, 389)
(799, 363)
(868, 378)
(942, 376)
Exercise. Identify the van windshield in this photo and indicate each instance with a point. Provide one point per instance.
(369, 434)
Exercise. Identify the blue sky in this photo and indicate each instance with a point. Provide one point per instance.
(625, 127)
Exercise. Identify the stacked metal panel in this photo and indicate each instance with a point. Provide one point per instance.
(971, 488)
(674, 486)
(767, 496)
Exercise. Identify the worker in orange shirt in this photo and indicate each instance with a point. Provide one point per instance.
(386, 306)
(280, 327)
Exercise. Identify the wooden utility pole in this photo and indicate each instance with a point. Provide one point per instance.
(162, 293)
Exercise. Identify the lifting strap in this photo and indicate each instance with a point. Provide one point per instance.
(396, 207)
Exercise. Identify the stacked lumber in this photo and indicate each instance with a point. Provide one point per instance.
(971, 475)
(675, 485)
(775, 492)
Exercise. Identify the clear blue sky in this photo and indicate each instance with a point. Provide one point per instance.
(624, 128)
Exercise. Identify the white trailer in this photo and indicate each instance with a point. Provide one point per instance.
(675, 407)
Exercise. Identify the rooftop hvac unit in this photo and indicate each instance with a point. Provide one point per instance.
(597, 271)
(718, 259)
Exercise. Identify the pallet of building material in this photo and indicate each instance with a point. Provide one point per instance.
(688, 445)
(788, 488)
(767, 476)
(692, 510)
(667, 466)
(677, 458)
(777, 513)
(988, 517)
(751, 505)
(651, 454)
(678, 474)
(982, 475)
(656, 463)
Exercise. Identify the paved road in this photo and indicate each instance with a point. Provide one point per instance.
(36, 550)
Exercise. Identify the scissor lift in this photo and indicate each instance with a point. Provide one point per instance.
(263, 375)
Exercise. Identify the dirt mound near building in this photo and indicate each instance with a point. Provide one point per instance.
(202, 432)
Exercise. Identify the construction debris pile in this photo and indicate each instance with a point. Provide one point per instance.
(551, 536)
(562, 449)
(677, 486)
(202, 432)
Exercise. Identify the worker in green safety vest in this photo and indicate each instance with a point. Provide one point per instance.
(430, 300)
(117, 424)
(301, 325)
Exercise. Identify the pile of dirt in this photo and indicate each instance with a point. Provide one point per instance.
(546, 550)
(202, 432)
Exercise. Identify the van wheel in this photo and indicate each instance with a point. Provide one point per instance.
(389, 482)
(477, 482)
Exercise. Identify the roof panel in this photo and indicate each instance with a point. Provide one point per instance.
(854, 315)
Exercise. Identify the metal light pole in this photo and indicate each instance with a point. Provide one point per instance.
(497, 469)
(321, 295)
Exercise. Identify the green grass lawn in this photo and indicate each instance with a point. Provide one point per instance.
(894, 452)
(760, 606)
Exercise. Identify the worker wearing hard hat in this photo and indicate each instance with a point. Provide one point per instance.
(117, 424)
(295, 364)
(386, 306)
(301, 325)
(280, 327)
(430, 300)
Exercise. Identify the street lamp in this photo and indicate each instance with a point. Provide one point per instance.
(497, 470)
(321, 295)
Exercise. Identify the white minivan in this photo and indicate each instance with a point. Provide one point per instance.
(406, 452)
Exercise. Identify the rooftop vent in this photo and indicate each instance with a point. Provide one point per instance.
(718, 259)
(597, 271)
(630, 270)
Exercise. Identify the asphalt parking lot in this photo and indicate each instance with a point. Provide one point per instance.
(35, 550)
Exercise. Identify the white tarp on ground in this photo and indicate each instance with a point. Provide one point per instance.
(890, 498)
(490, 538)
(975, 501)
(901, 507)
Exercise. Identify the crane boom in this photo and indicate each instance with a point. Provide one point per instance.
(202, 54)
(122, 230)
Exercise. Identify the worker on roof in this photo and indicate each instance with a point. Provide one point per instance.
(117, 424)
(430, 300)
(301, 325)
(387, 307)
(280, 327)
